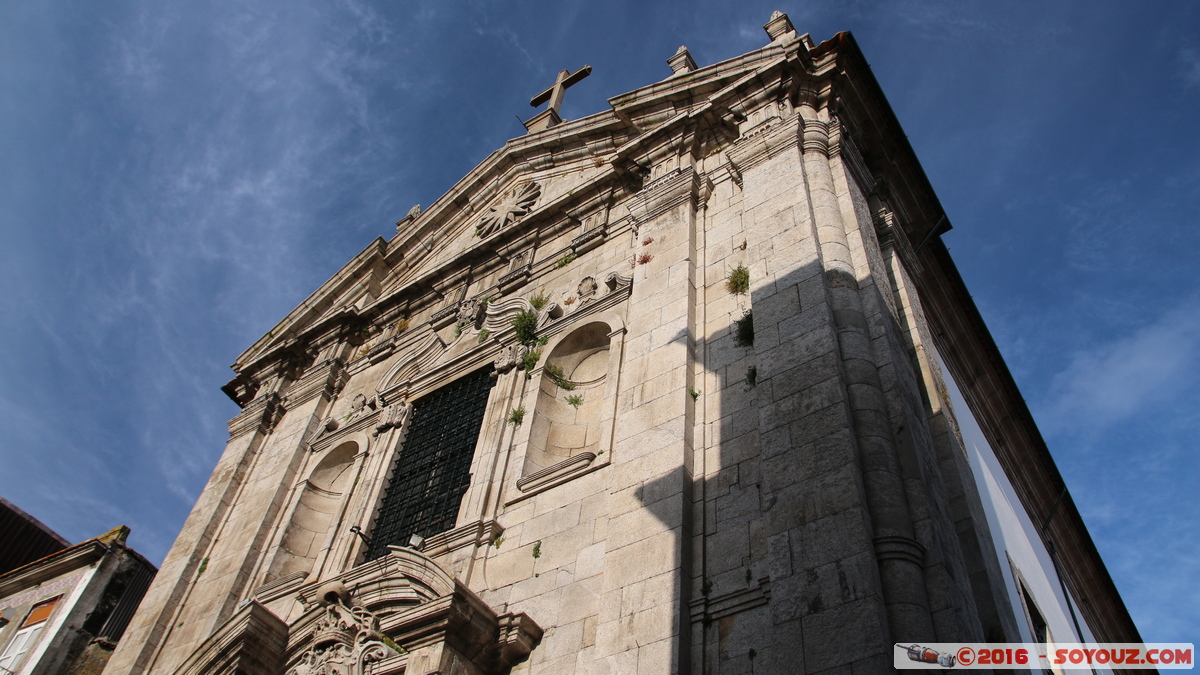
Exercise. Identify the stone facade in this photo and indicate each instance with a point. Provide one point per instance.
(715, 442)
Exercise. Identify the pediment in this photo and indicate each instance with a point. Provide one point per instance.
(537, 186)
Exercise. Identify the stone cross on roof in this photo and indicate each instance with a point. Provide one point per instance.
(549, 117)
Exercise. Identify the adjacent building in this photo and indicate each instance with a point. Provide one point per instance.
(65, 612)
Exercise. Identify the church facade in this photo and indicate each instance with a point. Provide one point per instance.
(667, 389)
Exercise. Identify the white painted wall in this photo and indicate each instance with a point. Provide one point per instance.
(57, 619)
(1014, 533)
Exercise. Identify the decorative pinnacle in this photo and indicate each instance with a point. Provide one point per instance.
(778, 26)
(681, 62)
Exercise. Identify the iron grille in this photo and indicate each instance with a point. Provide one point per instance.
(432, 469)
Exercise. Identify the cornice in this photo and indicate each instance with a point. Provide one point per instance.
(975, 363)
(893, 238)
(260, 414)
(478, 533)
(774, 136)
(324, 379)
(676, 187)
(54, 565)
(251, 640)
(347, 275)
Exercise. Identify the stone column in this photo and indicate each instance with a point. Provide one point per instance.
(899, 555)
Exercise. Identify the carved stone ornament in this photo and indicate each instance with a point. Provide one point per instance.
(509, 357)
(468, 312)
(587, 288)
(509, 210)
(392, 416)
(346, 641)
(360, 408)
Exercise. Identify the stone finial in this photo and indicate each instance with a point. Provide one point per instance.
(779, 25)
(682, 62)
(408, 217)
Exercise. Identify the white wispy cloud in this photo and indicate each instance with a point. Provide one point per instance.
(1108, 383)
(1189, 66)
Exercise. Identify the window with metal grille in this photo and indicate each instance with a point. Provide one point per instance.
(432, 470)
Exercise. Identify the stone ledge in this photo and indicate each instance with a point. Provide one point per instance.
(734, 602)
(558, 473)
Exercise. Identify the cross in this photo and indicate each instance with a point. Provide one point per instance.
(555, 94)
(549, 117)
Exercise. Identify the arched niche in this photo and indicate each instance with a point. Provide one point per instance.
(315, 512)
(565, 427)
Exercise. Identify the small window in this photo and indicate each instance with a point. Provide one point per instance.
(1037, 623)
(26, 637)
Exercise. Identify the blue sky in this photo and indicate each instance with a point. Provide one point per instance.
(176, 177)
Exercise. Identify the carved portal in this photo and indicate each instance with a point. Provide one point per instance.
(511, 209)
(402, 613)
(346, 641)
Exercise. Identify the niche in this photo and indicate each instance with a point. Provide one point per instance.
(315, 512)
(571, 398)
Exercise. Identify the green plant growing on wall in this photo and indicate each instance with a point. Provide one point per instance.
(537, 549)
(743, 330)
(693, 393)
(525, 326)
(556, 375)
(516, 416)
(575, 400)
(203, 566)
(565, 260)
(529, 361)
(739, 280)
(483, 335)
(539, 301)
(392, 643)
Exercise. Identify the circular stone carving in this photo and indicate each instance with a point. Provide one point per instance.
(509, 210)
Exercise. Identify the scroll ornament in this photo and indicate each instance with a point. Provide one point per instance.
(346, 641)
